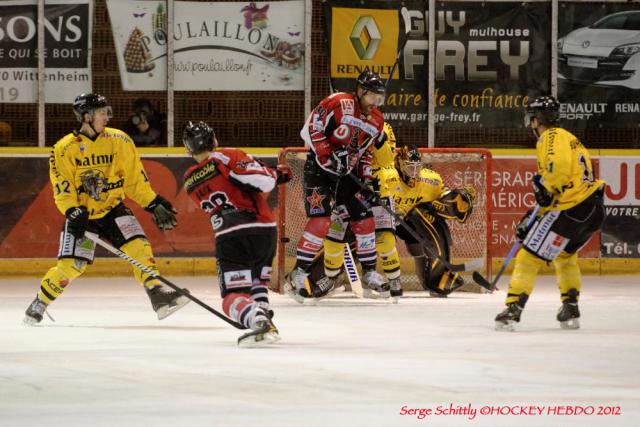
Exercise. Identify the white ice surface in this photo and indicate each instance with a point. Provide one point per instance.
(107, 361)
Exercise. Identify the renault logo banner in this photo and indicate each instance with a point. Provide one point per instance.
(367, 35)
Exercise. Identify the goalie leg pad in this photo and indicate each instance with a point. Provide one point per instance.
(568, 273)
(524, 275)
(140, 250)
(58, 278)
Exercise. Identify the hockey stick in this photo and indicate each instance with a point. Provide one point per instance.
(480, 280)
(155, 275)
(407, 28)
(352, 272)
(475, 264)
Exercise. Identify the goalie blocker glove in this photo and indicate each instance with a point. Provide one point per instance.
(77, 219)
(283, 174)
(164, 214)
(543, 196)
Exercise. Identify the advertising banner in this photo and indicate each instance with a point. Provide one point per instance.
(621, 230)
(367, 35)
(218, 46)
(491, 57)
(67, 41)
(599, 64)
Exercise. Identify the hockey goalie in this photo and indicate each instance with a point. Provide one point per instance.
(419, 196)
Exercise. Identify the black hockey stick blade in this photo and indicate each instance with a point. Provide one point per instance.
(155, 275)
(480, 280)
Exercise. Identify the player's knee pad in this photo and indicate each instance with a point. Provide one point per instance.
(568, 272)
(333, 257)
(363, 226)
(524, 275)
(386, 247)
(57, 278)
(140, 250)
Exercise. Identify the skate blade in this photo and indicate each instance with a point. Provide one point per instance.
(167, 310)
(30, 321)
(510, 326)
(371, 294)
(570, 324)
(261, 339)
(291, 293)
(395, 300)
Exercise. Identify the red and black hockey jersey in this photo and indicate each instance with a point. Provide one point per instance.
(232, 188)
(337, 122)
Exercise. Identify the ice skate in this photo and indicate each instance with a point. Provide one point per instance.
(296, 286)
(374, 285)
(35, 312)
(263, 331)
(507, 320)
(395, 289)
(569, 313)
(166, 301)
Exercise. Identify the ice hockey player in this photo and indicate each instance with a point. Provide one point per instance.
(339, 133)
(571, 211)
(420, 197)
(92, 170)
(232, 188)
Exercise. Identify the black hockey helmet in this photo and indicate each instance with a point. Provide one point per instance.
(198, 137)
(544, 108)
(409, 161)
(88, 103)
(372, 82)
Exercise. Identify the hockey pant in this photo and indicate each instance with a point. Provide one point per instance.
(556, 237)
(121, 228)
(244, 264)
(323, 192)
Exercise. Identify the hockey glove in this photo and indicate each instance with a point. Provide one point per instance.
(523, 227)
(543, 196)
(283, 174)
(164, 215)
(77, 219)
(340, 161)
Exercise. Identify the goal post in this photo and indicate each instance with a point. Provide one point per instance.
(458, 167)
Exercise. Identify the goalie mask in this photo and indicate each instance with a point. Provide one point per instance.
(545, 109)
(198, 137)
(88, 103)
(409, 162)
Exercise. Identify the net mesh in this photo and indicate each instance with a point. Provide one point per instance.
(458, 168)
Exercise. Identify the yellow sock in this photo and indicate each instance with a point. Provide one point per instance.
(140, 250)
(567, 273)
(333, 256)
(524, 275)
(57, 278)
(386, 247)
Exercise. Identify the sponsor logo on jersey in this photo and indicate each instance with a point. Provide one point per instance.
(199, 175)
(348, 106)
(95, 160)
(359, 124)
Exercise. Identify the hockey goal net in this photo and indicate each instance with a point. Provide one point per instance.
(458, 167)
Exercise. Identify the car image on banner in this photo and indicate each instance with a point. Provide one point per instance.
(606, 53)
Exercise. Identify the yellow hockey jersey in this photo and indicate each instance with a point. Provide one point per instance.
(426, 188)
(565, 167)
(384, 155)
(97, 174)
